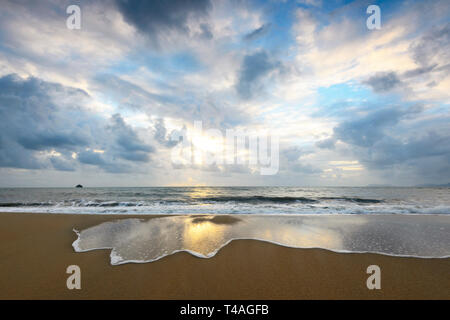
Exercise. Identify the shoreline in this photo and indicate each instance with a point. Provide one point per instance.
(37, 248)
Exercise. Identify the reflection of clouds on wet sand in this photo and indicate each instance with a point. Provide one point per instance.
(145, 240)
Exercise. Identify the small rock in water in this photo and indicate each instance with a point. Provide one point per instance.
(79, 186)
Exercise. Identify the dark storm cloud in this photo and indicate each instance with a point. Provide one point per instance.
(384, 81)
(44, 125)
(258, 33)
(154, 17)
(255, 67)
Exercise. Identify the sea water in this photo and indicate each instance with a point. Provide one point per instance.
(228, 200)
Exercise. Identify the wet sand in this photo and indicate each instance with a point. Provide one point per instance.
(35, 250)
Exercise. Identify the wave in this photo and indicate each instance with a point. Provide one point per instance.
(230, 205)
(113, 204)
(258, 199)
(357, 200)
(273, 199)
(25, 204)
(78, 203)
(224, 199)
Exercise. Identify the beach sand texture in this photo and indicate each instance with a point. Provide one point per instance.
(36, 249)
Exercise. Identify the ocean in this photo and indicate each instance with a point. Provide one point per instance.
(228, 200)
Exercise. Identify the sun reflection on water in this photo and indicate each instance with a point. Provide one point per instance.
(202, 236)
(140, 240)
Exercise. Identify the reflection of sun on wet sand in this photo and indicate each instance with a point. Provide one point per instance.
(204, 236)
(133, 240)
(36, 250)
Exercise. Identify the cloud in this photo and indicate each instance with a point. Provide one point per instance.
(206, 32)
(161, 134)
(62, 164)
(326, 143)
(147, 67)
(44, 124)
(344, 50)
(291, 161)
(433, 48)
(47, 139)
(255, 67)
(419, 71)
(155, 18)
(130, 95)
(383, 82)
(292, 153)
(106, 163)
(381, 141)
(391, 151)
(35, 40)
(176, 102)
(90, 157)
(32, 122)
(127, 146)
(430, 52)
(258, 33)
(369, 129)
(304, 168)
(314, 3)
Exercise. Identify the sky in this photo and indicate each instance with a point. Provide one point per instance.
(114, 102)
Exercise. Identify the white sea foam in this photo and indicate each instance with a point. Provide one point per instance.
(229, 208)
(227, 200)
(146, 240)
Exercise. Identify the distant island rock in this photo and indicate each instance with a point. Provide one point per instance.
(78, 186)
